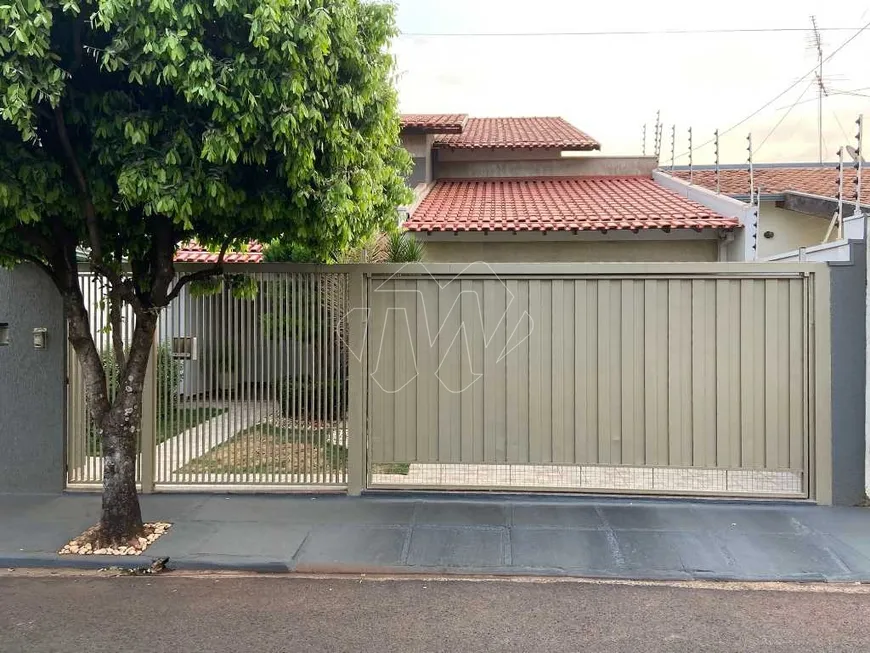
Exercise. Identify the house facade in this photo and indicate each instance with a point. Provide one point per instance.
(538, 190)
(798, 201)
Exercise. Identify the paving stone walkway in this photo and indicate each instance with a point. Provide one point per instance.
(636, 539)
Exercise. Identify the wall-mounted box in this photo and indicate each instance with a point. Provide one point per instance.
(185, 348)
(40, 338)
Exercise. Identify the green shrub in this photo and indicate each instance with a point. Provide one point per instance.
(170, 372)
(319, 399)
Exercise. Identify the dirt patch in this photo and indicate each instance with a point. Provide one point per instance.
(261, 450)
(88, 543)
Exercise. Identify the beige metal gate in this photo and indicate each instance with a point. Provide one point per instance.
(247, 387)
(672, 379)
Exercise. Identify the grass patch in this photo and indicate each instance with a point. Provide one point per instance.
(178, 421)
(168, 426)
(266, 449)
(392, 468)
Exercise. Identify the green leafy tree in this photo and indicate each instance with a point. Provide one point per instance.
(127, 127)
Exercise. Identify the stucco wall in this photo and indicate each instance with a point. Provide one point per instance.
(847, 378)
(791, 230)
(499, 165)
(419, 146)
(31, 384)
(567, 251)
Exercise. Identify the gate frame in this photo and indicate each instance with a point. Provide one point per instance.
(818, 443)
(819, 436)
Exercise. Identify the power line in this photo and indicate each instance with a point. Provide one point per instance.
(662, 32)
(784, 116)
(790, 87)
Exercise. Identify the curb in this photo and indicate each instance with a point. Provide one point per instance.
(271, 567)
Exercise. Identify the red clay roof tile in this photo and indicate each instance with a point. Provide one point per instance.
(559, 204)
(512, 133)
(813, 180)
(434, 123)
(194, 253)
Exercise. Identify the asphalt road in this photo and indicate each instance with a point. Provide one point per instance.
(266, 614)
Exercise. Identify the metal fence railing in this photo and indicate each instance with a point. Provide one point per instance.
(248, 387)
(659, 378)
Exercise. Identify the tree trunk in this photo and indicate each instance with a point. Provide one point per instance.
(118, 419)
(121, 517)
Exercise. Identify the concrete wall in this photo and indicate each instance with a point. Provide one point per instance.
(739, 249)
(419, 173)
(848, 377)
(496, 154)
(31, 384)
(419, 146)
(554, 251)
(791, 230)
(568, 166)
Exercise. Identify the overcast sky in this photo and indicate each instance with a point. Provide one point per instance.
(610, 86)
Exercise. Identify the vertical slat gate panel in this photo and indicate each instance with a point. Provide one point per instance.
(535, 388)
(680, 372)
(471, 437)
(776, 346)
(751, 342)
(632, 359)
(591, 377)
(428, 387)
(655, 372)
(557, 365)
(585, 432)
(710, 371)
(449, 372)
(381, 348)
(704, 373)
(728, 378)
(405, 376)
(523, 355)
(491, 389)
(796, 375)
(513, 381)
(564, 386)
(609, 373)
(395, 392)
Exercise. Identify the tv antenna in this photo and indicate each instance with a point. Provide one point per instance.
(820, 80)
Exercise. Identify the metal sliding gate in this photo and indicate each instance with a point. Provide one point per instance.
(700, 379)
(673, 380)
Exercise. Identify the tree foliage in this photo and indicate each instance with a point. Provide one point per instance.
(129, 126)
(227, 119)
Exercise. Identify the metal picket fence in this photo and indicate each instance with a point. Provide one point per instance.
(248, 387)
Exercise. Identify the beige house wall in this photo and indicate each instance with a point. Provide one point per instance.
(485, 164)
(571, 251)
(791, 230)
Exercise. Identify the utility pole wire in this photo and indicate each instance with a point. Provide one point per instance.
(790, 87)
(653, 32)
(785, 115)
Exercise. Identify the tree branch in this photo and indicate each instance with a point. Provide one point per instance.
(116, 320)
(30, 258)
(201, 275)
(75, 168)
(78, 50)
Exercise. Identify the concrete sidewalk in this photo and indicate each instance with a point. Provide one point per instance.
(618, 538)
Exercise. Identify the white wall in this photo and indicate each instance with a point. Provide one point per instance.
(791, 230)
(459, 250)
